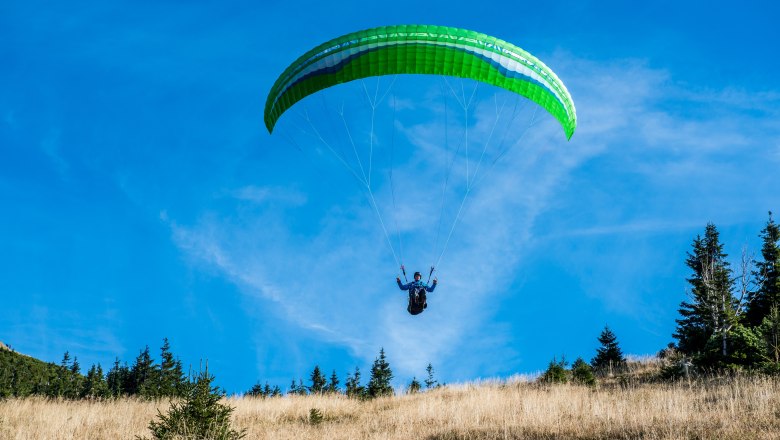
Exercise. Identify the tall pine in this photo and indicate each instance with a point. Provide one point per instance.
(353, 387)
(381, 375)
(768, 274)
(143, 380)
(318, 381)
(712, 310)
(170, 378)
(333, 385)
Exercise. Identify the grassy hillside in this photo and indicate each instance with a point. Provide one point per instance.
(724, 408)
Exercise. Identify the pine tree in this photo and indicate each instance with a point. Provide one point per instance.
(95, 386)
(768, 275)
(118, 379)
(713, 310)
(609, 357)
(318, 381)
(171, 375)
(414, 386)
(265, 391)
(143, 376)
(74, 386)
(582, 373)
(200, 415)
(430, 382)
(353, 387)
(555, 373)
(381, 375)
(770, 333)
(293, 390)
(333, 385)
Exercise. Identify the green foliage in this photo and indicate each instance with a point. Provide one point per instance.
(745, 349)
(264, 391)
(555, 373)
(143, 376)
(94, 385)
(414, 386)
(609, 357)
(118, 379)
(430, 382)
(170, 376)
(713, 310)
(353, 387)
(381, 375)
(22, 376)
(770, 334)
(582, 373)
(318, 381)
(767, 272)
(333, 385)
(199, 416)
(315, 416)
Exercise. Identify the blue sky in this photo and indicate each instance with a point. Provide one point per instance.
(142, 197)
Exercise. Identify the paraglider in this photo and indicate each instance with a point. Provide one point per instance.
(442, 51)
(417, 291)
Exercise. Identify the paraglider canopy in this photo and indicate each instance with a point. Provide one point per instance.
(421, 49)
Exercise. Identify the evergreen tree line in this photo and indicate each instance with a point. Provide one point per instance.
(22, 376)
(731, 320)
(378, 385)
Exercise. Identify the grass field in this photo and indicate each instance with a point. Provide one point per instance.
(726, 408)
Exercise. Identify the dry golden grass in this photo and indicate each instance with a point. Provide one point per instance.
(736, 408)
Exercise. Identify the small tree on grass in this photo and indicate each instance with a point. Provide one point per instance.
(381, 375)
(318, 381)
(555, 373)
(414, 386)
(609, 357)
(199, 415)
(430, 382)
(582, 373)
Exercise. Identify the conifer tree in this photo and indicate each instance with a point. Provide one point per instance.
(381, 375)
(143, 378)
(582, 373)
(118, 379)
(713, 310)
(265, 391)
(318, 381)
(200, 415)
(333, 385)
(555, 373)
(171, 375)
(414, 386)
(609, 357)
(61, 382)
(430, 382)
(353, 387)
(293, 390)
(770, 332)
(95, 386)
(73, 389)
(768, 275)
